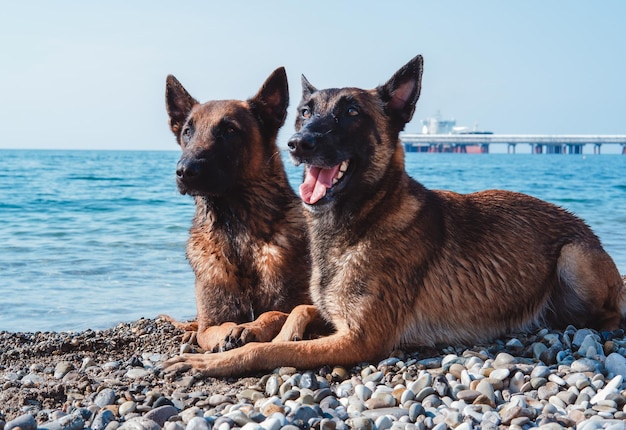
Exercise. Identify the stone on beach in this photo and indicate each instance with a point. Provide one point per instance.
(504, 383)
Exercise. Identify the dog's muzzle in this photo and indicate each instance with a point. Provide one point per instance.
(302, 145)
(187, 169)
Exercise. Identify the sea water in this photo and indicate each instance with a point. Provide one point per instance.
(93, 238)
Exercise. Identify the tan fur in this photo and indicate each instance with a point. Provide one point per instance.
(248, 244)
(398, 265)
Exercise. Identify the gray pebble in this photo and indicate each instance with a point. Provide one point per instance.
(430, 363)
(309, 381)
(416, 410)
(407, 396)
(140, 423)
(514, 343)
(500, 374)
(105, 397)
(102, 419)
(32, 380)
(615, 364)
(62, 368)
(362, 392)
(362, 423)
(425, 380)
(321, 394)
(491, 419)
(197, 423)
(503, 360)
(24, 422)
(304, 414)
(327, 424)
(161, 414)
(272, 385)
(580, 336)
(584, 365)
(391, 361)
(423, 393)
(486, 389)
(540, 372)
(137, 373)
(188, 414)
(557, 380)
(272, 424)
(87, 362)
(590, 346)
(329, 402)
(113, 425)
(396, 413)
(127, 408)
(568, 397)
(290, 395)
(383, 423)
(546, 391)
(374, 377)
(173, 425)
(538, 349)
(382, 401)
(612, 387)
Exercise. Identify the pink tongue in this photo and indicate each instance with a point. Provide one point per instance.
(316, 182)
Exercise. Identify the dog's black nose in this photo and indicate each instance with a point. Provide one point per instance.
(187, 168)
(301, 142)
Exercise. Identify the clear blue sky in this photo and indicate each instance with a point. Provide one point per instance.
(84, 74)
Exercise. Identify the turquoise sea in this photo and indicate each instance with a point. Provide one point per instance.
(93, 238)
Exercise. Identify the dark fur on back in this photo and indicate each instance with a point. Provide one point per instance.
(248, 243)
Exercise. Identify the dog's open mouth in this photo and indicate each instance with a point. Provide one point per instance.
(318, 180)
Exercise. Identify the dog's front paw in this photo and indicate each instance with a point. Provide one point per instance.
(208, 364)
(238, 336)
(176, 365)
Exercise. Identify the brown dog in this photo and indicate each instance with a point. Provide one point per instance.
(396, 264)
(248, 244)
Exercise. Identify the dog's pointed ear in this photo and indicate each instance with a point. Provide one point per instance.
(401, 92)
(307, 88)
(178, 103)
(270, 103)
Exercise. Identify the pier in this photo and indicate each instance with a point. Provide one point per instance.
(479, 142)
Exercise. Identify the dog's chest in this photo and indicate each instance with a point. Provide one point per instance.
(218, 256)
(339, 270)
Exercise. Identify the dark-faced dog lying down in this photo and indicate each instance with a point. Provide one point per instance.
(395, 264)
(248, 244)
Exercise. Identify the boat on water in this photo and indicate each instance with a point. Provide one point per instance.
(436, 125)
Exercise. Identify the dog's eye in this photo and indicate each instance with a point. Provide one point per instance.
(306, 113)
(186, 134)
(352, 111)
(230, 129)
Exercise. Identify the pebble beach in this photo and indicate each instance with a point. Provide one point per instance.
(112, 379)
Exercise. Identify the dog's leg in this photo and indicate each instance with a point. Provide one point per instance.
(263, 329)
(297, 322)
(230, 335)
(186, 326)
(342, 348)
(594, 294)
(190, 328)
